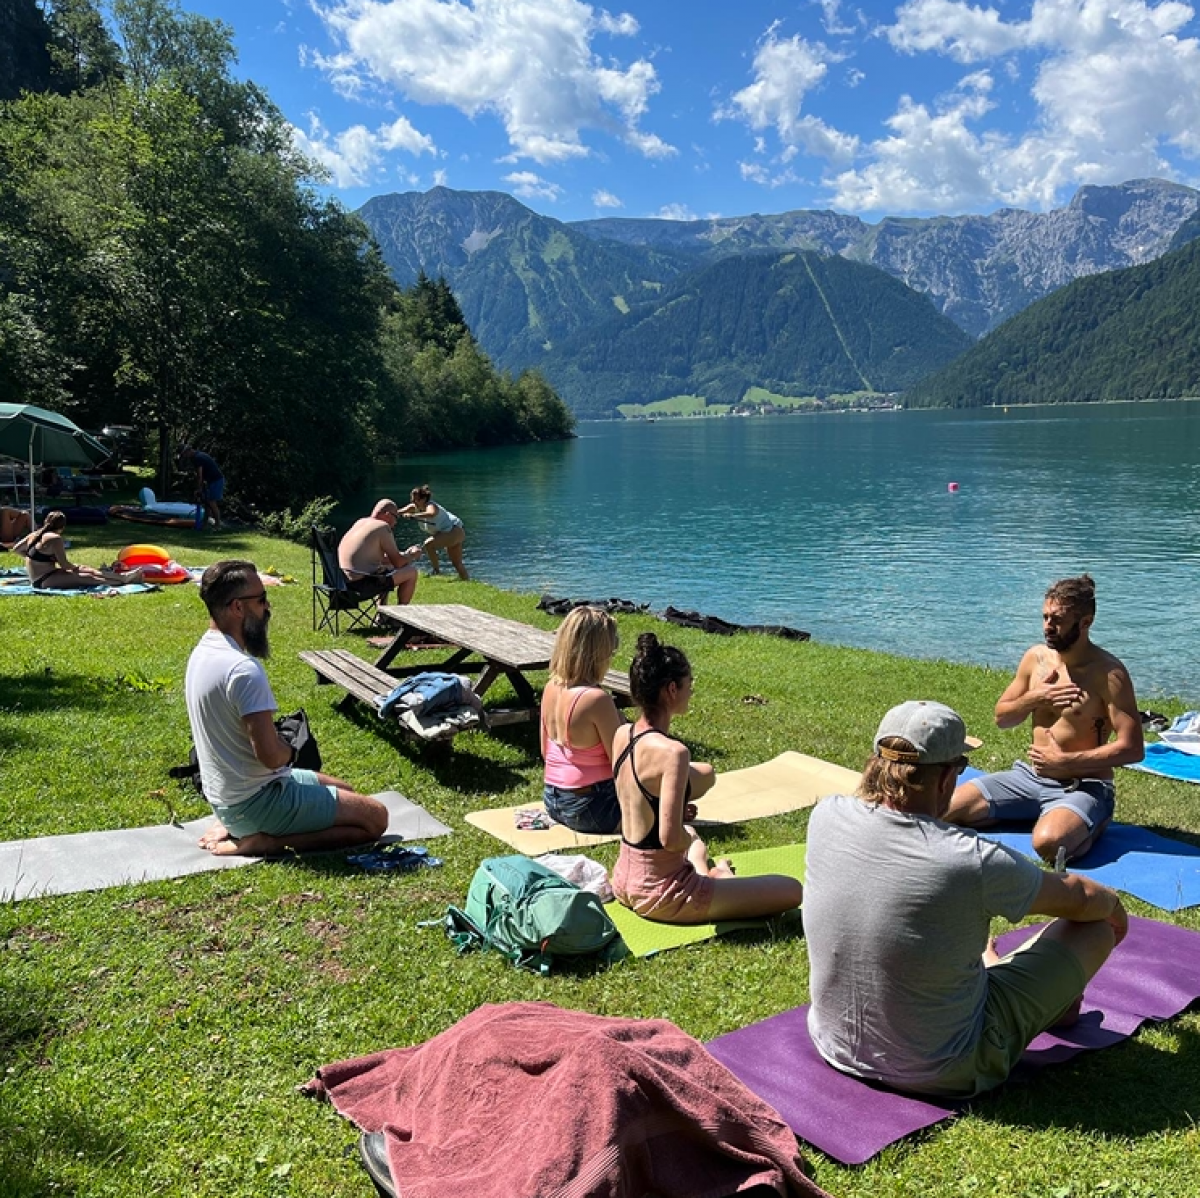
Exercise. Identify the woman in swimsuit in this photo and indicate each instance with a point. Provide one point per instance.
(579, 720)
(46, 561)
(663, 872)
(443, 529)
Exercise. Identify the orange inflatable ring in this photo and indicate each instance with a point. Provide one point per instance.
(154, 564)
(143, 555)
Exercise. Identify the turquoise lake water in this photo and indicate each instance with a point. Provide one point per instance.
(844, 524)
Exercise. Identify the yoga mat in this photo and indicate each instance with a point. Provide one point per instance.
(1156, 869)
(48, 865)
(22, 586)
(1153, 974)
(1169, 762)
(644, 938)
(786, 783)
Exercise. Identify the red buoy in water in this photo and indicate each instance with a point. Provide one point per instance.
(952, 487)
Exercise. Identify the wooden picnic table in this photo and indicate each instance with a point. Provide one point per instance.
(492, 646)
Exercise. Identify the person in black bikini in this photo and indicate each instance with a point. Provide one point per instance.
(47, 565)
(663, 872)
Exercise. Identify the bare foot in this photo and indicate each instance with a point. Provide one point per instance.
(1070, 1016)
(723, 868)
(990, 956)
(257, 844)
(213, 837)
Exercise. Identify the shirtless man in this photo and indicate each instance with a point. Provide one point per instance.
(1085, 724)
(371, 560)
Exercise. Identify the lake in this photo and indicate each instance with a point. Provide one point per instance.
(845, 524)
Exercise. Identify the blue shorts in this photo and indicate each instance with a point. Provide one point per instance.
(214, 490)
(594, 809)
(284, 807)
(1020, 794)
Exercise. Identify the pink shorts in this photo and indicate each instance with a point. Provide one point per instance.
(661, 885)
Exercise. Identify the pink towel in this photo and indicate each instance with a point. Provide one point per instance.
(526, 1100)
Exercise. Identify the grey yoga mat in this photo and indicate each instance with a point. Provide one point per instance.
(49, 865)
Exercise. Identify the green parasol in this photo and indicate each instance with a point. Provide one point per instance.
(44, 438)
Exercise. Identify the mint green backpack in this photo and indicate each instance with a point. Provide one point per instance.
(532, 915)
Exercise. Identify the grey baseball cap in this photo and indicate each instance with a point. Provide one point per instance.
(936, 732)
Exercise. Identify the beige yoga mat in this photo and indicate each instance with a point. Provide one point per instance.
(788, 782)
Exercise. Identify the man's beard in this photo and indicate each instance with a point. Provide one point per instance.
(1064, 640)
(254, 634)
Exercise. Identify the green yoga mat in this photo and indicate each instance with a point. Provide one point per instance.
(645, 938)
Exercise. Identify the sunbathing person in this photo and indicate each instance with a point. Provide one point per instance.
(46, 561)
(907, 988)
(1085, 723)
(14, 524)
(442, 529)
(372, 561)
(663, 872)
(579, 720)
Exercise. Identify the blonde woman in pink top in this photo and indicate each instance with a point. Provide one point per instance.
(579, 720)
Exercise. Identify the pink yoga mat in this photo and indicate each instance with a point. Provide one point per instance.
(1153, 974)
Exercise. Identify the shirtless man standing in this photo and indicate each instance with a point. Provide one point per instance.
(371, 560)
(1085, 724)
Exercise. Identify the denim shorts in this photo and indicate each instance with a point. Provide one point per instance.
(594, 809)
(1020, 794)
(286, 806)
(214, 490)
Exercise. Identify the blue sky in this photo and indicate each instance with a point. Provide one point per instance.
(726, 107)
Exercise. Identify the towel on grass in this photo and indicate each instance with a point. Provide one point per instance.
(526, 1098)
(22, 586)
(1169, 761)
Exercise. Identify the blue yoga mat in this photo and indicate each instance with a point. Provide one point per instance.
(1154, 868)
(1169, 762)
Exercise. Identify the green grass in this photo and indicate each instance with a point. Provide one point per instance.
(151, 1037)
(677, 405)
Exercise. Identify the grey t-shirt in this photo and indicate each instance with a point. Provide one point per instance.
(222, 685)
(897, 910)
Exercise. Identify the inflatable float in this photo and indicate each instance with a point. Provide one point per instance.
(154, 511)
(154, 564)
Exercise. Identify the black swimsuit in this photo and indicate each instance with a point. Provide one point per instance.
(652, 839)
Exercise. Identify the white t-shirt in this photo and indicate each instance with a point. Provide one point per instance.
(223, 684)
(897, 910)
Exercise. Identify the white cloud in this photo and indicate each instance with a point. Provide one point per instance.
(606, 199)
(440, 178)
(785, 71)
(675, 212)
(529, 62)
(832, 20)
(1114, 84)
(353, 156)
(533, 187)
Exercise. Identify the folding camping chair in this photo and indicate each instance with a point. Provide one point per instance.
(331, 595)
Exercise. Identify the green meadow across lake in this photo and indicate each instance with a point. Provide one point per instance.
(153, 1035)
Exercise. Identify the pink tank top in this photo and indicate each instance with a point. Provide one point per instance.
(572, 768)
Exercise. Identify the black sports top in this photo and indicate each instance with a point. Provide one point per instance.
(36, 555)
(653, 838)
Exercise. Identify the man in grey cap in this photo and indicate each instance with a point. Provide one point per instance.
(907, 988)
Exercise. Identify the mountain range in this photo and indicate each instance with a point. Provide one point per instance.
(554, 295)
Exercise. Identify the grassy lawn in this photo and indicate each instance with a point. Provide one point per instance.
(151, 1037)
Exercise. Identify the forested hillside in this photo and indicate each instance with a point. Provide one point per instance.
(794, 324)
(524, 281)
(165, 261)
(1128, 334)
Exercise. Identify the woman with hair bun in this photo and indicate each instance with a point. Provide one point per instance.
(663, 872)
(443, 529)
(579, 720)
(46, 562)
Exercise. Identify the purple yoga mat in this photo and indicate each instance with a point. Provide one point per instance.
(1153, 974)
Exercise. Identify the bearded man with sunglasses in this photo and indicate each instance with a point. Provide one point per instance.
(1085, 723)
(907, 987)
(263, 805)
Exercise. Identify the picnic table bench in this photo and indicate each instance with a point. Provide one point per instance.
(480, 643)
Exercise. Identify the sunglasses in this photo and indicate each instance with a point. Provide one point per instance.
(261, 597)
